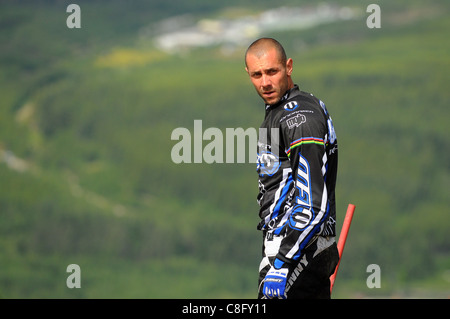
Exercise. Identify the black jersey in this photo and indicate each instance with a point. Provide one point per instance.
(297, 167)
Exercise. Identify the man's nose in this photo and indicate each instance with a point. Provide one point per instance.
(265, 81)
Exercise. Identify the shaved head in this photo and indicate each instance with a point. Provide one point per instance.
(263, 45)
(269, 69)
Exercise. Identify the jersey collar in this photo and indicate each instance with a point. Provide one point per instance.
(290, 93)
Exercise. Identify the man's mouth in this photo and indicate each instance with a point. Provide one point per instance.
(268, 93)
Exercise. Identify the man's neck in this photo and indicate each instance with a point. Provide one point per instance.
(284, 97)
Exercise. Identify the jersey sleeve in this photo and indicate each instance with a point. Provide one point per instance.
(305, 136)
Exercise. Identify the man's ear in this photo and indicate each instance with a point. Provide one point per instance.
(246, 70)
(289, 64)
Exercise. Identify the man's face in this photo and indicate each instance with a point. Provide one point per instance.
(269, 76)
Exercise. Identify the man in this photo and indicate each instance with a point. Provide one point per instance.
(297, 166)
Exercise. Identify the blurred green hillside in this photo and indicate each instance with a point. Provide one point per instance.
(86, 175)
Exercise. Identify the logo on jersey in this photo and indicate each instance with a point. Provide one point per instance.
(296, 121)
(290, 106)
(300, 217)
(267, 163)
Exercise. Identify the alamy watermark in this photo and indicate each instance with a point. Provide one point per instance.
(373, 21)
(74, 279)
(234, 145)
(74, 19)
(374, 279)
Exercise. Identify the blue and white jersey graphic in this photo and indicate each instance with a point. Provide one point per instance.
(297, 172)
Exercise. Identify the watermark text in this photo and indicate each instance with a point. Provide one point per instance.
(74, 19)
(212, 145)
(374, 19)
(74, 279)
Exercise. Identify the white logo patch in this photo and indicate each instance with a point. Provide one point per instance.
(296, 121)
(290, 106)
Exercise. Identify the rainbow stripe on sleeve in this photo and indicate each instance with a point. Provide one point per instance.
(303, 141)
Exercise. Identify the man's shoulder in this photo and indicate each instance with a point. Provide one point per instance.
(303, 102)
(301, 109)
(306, 100)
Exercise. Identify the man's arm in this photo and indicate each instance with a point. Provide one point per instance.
(306, 148)
(305, 143)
